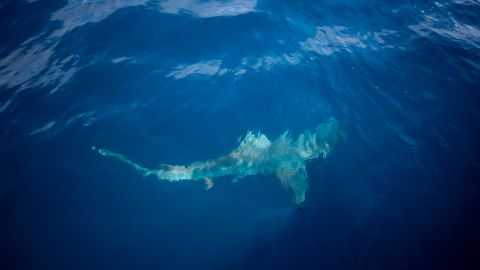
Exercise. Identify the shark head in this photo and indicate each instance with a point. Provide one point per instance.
(327, 135)
(312, 144)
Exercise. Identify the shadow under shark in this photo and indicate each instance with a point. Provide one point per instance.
(284, 157)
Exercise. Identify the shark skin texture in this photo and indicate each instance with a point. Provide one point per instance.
(285, 157)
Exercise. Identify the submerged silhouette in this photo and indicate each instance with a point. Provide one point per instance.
(284, 157)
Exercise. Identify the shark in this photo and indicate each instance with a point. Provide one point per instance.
(285, 157)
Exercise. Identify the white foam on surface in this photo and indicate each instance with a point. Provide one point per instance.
(206, 68)
(333, 39)
(207, 9)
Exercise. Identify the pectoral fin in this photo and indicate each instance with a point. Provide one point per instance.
(208, 183)
(294, 176)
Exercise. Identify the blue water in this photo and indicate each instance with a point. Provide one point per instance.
(180, 81)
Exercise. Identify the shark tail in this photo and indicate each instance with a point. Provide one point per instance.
(137, 167)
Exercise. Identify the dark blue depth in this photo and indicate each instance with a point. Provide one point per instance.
(180, 81)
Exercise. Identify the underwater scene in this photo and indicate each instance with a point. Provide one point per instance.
(239, 134)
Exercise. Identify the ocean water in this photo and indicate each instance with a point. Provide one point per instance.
(180, 81)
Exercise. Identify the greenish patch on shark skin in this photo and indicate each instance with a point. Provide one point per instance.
(256, 154)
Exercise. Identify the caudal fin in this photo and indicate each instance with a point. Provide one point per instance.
(137, 167)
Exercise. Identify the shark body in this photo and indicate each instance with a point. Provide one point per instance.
(256, 154)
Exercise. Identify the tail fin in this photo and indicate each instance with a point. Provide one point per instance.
(137, 167)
